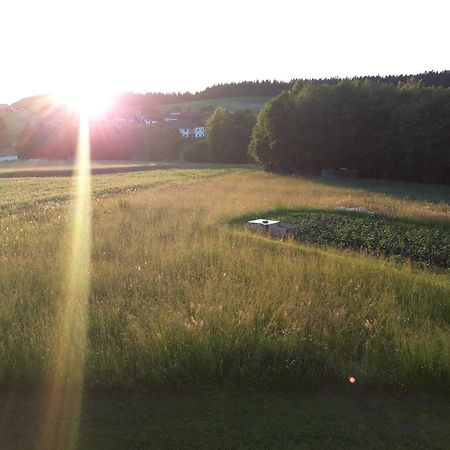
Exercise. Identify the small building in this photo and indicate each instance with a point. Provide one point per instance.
(273, 227)
(199, 132)
(150, 122)
(8, 154)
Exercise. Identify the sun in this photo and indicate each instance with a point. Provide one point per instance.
(86, 100)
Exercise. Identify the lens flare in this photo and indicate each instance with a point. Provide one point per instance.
(63, 402)
(84, 99)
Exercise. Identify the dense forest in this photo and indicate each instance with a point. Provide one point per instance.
(379, 130)
(146, 103)
(272, 88)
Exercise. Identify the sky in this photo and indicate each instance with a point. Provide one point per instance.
(95, 46)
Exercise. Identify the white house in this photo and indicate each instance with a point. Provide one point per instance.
(188, 129)
(150, 122)
(199, 132)
(8, 154)
(196, 132)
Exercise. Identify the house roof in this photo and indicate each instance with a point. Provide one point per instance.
(8, 152)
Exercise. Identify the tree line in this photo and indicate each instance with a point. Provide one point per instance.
(381, 130)
(228, 136)
(147, 103)
(5, 140)
(107, 142)
(270, 88)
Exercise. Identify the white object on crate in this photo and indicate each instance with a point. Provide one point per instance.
(273, 227)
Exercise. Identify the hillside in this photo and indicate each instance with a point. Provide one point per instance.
(16, 121)
(232, 103)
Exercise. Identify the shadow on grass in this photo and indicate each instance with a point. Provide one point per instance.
(283, 212)
(238, 419)
(433, 193)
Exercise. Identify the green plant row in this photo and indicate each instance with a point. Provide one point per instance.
(426, 243)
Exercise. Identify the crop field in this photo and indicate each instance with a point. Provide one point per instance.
(42, 167)
(422, 241)
(24, 192)
(180, 295)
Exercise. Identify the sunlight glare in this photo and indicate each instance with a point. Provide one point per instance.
(86, 100)
(63, 401)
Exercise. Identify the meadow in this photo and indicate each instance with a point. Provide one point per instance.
(179, 297)
(231, 103)
(29, 187)
(196, 333)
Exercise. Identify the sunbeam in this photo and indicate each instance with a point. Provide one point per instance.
(63, 404)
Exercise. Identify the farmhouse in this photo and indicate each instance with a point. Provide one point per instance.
(188, 129)
(8, 154)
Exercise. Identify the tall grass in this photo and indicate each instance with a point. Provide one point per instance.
(180, 297)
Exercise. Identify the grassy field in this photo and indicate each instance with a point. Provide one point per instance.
(176, 292)
(179, 298)
(232, 103)
(38, 167)
(24, 192)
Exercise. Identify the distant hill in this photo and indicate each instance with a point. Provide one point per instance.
(272, 88)
(34, 103)
(245, 94)
(244, 89)
(232, 103)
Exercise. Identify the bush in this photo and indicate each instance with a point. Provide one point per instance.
(5, 140)
(197, 151)
(229, 135)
